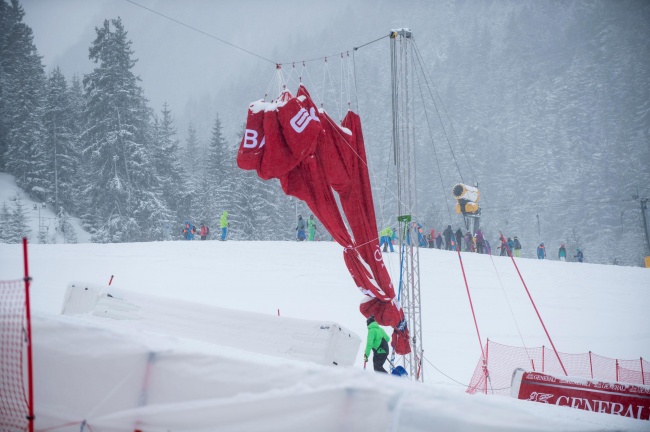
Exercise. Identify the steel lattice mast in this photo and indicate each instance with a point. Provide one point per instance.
(404, 158)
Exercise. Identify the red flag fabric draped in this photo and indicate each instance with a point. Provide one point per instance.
(313, 156)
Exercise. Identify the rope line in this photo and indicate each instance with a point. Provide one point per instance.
(244, 49)
(451, 124)
(201, 31)
(433, 145)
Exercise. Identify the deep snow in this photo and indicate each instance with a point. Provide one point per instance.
(95, 369)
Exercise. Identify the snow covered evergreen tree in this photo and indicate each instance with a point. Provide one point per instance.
(22, 82)
(61, 144)
(167, 162)
(124, 196)
(65, 227)
(216, 183)
(18, 226)
(5, 223)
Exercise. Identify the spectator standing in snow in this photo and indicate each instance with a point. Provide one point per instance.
(439, 241)
(385, 239)
(448, 233)
(189, 231)
(561, 253)
(511, 246)
(469, 242)
(579, 255)
(503, 246)
(378, 343)
(224, 225)
(203, 232)
(541, 251)
(300, 228)
(311, 224)
(480, 241)
(459, 239)
(517, 247)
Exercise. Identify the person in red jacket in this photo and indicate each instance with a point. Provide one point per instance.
(203, 232)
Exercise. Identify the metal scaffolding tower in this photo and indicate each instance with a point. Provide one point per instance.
(402, 80)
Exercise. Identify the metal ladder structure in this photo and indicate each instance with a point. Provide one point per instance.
(403, 140)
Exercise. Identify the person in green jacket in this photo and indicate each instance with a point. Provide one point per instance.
(224, 225)
(311, 224)
(385, 239)
(378, 343)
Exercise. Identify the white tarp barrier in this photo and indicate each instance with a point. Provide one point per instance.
(322, 342)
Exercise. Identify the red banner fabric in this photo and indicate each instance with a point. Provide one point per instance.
(627, 400)
(312, 156)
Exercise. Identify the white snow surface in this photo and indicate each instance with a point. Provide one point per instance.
(122, 374)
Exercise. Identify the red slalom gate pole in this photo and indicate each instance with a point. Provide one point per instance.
(110, 281)
(30, 372)
(534, 306)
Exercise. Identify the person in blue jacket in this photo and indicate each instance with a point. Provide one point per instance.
(579, 255)
(541, 251)
(378, 343)
(511, 246)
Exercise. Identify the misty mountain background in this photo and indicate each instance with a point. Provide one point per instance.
(546, 106)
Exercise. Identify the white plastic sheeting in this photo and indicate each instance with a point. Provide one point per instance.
(325, 343)
(98, 378)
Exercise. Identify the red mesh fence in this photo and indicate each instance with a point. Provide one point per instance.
(502, 360)
(14, 407)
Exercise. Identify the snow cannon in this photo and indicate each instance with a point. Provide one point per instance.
(466, 197)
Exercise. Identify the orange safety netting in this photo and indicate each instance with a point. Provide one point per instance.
(502, 360)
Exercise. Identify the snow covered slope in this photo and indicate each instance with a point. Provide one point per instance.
(194, 384)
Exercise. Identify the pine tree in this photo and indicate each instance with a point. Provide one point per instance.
(191, 151)
(65, 227)
(5, 223)
(19, 222)
(167, 162)
(124, 196)
(9, 16)
(62, 155)
(216, 182)
(23, 84)
(76, 108)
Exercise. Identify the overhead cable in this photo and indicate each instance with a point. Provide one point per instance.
(244, 49)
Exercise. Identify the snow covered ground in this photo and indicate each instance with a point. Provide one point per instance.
(195, 342)
(177, 381)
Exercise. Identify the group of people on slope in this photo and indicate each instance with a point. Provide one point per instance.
(468, 242)
(310, 225)
(510, 247)
(189, 231)
(453, 241)
(561, 253)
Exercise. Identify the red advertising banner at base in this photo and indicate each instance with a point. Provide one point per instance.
(627, 400)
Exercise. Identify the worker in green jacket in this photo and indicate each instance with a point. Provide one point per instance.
(385, 239)
(378, 343)
(224, 225)
(311, 224)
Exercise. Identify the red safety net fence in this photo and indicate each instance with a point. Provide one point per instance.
(14, 405)
(500, 361)
(16, 377)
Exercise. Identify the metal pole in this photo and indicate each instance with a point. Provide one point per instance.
(644, 207)
(28, 319)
